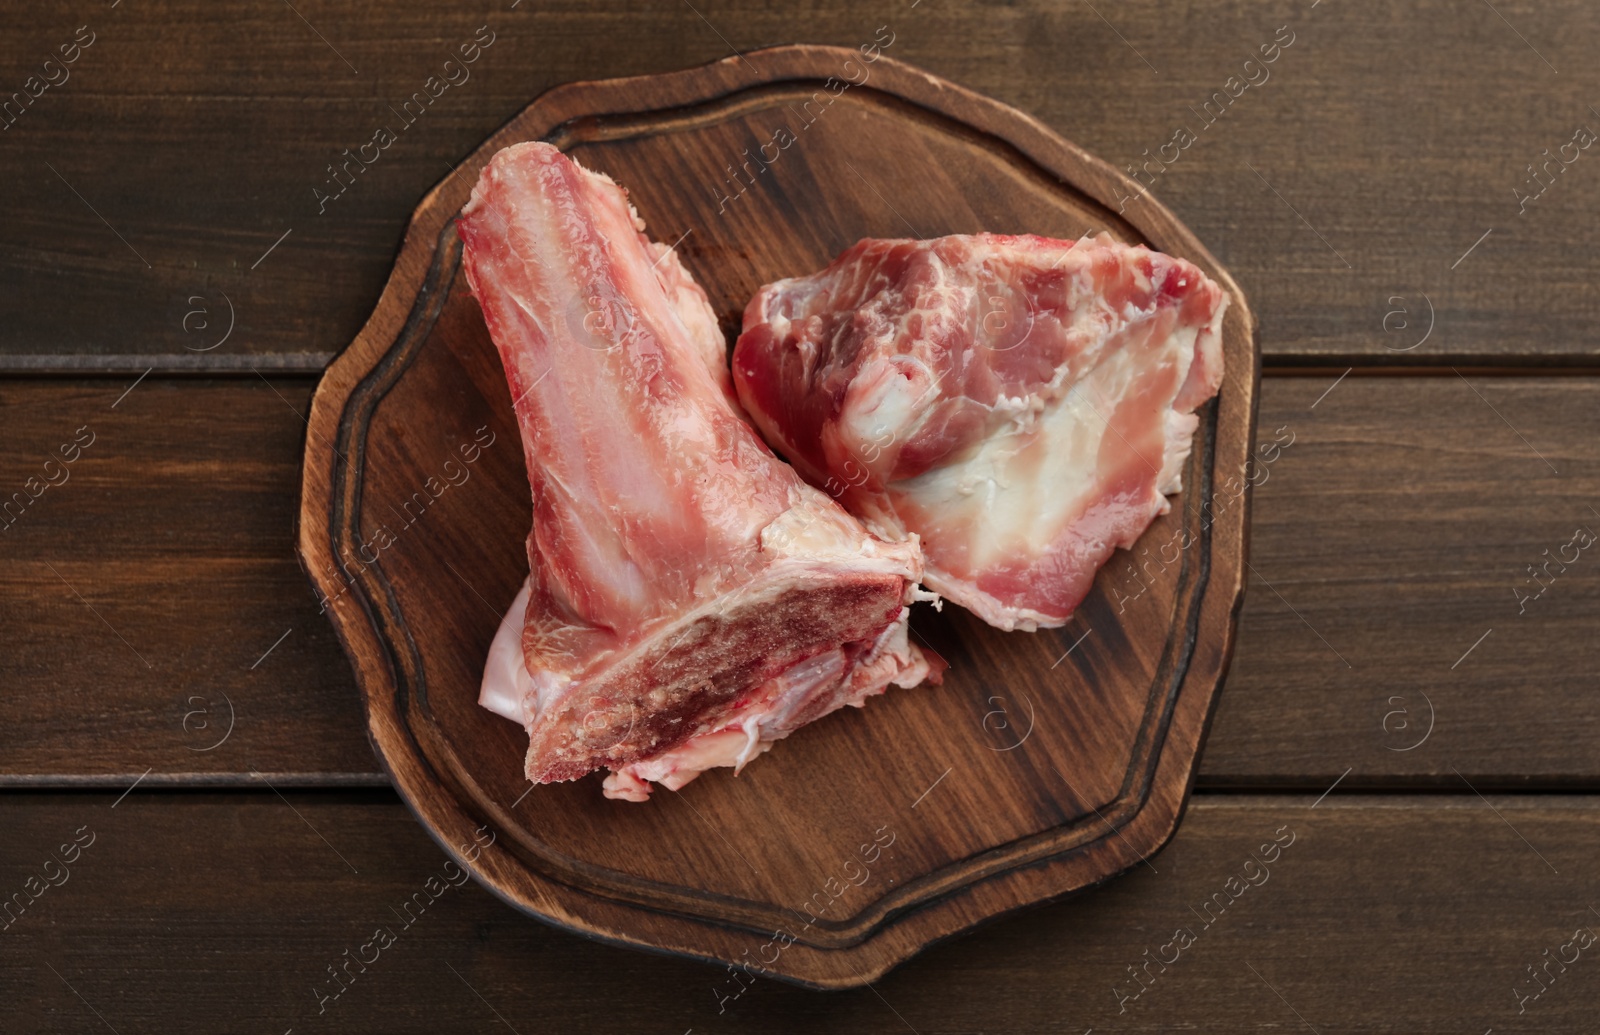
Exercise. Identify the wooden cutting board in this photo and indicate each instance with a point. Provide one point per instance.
(1046, 762)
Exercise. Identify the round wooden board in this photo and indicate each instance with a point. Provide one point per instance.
(1046, 762)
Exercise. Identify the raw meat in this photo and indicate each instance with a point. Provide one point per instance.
(1022, 404)
(690, 598)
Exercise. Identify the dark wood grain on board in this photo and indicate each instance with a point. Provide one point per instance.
(198, 134)
(1397, 524)
(1389, 914)
(1032, 811)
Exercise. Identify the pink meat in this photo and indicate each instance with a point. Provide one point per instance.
(690, 598)
(1021, 404)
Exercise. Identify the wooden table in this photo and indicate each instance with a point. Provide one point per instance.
(1412, 698)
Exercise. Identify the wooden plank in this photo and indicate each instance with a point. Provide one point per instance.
(147, 591)
(231, 908)
(1389, 547)
(162, 177)
(1395, 527)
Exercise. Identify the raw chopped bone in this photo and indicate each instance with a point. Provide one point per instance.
(1022, 404)
(690, 599)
